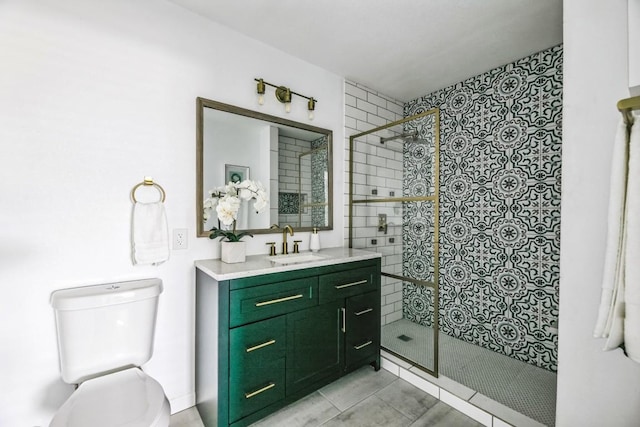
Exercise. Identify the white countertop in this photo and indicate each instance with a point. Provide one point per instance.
(260, 264)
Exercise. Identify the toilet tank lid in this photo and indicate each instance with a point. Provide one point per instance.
(105, 294)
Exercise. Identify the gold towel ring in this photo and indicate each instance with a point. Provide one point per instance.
(148, 181)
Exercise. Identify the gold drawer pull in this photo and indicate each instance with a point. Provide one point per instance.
(255, 393)
(358, 347)
(259, 346)
(360, 313)
(275, 301)
(360, 282)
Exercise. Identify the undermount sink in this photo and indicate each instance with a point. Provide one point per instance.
(295, 258)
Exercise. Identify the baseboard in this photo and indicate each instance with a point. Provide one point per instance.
(183, 402)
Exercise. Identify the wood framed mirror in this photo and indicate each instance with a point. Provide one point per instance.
(292, 160)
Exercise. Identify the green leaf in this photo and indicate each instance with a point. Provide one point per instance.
(244, 233)
(229, 235)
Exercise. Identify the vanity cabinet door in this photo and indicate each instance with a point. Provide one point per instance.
(362, 327)
(314, 345)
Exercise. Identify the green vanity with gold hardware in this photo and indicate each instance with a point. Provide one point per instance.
(270, 333)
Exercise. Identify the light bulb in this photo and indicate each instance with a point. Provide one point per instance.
(260, 89)
(311, 105)
(287, 107)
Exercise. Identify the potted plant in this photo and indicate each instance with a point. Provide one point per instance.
(226, 200)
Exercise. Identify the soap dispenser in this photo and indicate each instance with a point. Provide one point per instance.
(314, 243)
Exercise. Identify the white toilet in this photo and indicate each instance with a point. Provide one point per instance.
(105, 333)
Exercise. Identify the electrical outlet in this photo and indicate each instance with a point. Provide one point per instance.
(180, 238)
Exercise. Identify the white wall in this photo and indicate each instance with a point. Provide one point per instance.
(633, 48)
(595, 388)
(94, 96)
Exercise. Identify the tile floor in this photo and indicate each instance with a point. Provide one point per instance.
(513, 390)
(363, 398)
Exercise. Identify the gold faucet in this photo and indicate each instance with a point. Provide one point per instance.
(285, 250)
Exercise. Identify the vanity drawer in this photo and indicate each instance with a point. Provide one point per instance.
(362, 313)
(261, 302)
(258, 341)
(346, 283)
(255, 385)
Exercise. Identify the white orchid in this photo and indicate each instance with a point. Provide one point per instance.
(226, 200)
(260, 204)
(209, 204)
(228, 209)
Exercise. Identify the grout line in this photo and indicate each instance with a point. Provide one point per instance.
(328, 400)
(359, 401)
(331, 403)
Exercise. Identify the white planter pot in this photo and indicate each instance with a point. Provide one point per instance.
(232, 252)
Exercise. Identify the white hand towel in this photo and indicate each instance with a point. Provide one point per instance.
(632, 255)
(150, 233)
(613, 276)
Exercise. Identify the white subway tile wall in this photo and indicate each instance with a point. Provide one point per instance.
(376, 168)
(289, 152)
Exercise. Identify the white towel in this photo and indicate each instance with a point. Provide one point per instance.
(619, 312)
(613, 267)
(150, 233)
(632, 255)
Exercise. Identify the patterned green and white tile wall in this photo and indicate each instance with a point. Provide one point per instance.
(500, 166)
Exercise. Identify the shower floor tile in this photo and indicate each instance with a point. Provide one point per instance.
(525, 388)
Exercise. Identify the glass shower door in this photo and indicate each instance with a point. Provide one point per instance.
(393, 209)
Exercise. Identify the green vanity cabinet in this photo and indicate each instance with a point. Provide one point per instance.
(266, 340)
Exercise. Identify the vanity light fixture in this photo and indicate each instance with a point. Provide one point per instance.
(284, 95)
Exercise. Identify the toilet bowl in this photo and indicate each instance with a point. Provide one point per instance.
(126, 398)
(105, 333)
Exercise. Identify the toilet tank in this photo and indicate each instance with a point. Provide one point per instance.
(105, 328)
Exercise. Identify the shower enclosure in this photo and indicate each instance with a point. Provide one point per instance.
(498, 245)
(400, 196)
(303, 202)
(394, 209)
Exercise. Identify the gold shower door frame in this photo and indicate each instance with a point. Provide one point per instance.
(436, 209)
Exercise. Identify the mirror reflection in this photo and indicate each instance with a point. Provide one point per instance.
(292, 160)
